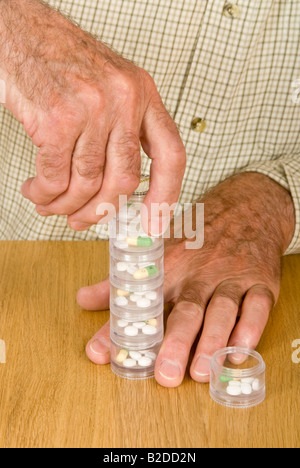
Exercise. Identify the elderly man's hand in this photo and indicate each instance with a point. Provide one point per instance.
(87, 110)
(249, 223)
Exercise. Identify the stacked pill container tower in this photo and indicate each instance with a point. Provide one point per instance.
(136, 291)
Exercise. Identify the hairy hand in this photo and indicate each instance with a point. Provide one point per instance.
(249, 223)
(87, 110)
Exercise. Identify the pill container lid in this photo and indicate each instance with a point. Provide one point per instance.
(136, 285)
(134, 255)
(136, 343)
(236, 365)
(136, 314)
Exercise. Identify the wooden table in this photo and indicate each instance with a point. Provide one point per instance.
(51, 395)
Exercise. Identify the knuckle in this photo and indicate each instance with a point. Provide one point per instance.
(89, 165)
(53, 165)
(262, 296)
(190, 310)
(231, 291)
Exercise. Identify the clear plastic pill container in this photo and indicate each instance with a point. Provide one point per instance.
(237, 377)
(136, 292)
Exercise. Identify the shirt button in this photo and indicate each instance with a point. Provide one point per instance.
(198, 124)
(231, 11)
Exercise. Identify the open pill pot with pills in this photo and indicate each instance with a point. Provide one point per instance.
(237, 377)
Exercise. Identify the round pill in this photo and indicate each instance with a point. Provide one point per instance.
(131, 331)
(255, 385)
(121, 266)
(248, 380)
(131, 268)
(135, 355)
(233, 390)
(144, 361)
(122, 323)
(121, 301)
(246, 388)
(152, 295)
(150, 354)
(139, 325)
(121, 244)
(134, 297)
(129, 363)
(234, 383)
(143, 302)
(149, 330)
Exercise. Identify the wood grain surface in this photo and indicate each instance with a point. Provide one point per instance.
(51, 395)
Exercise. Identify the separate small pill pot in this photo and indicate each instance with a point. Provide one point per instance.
(134, 363)
(137, 329)
(237, 377)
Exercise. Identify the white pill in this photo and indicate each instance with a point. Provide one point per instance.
(131, 331)
(121, 266)
(129, 363)
(122, 323)
(246, 388)
(135, 355)
(143, 302)
(149, 330)
(134, 297)
(248, 380)
(144, 361)
(234, 383)
(255, 385)
(150, 355)
(121, 301)
(121, 244)
(131, 268)
(152, 295)
(139, 325)
(233, 390)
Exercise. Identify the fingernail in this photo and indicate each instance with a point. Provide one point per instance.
(97, 347)
(169, 370)
(201, 367)
(159, 225)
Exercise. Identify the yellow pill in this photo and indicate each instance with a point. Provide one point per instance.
(120, 292)
(145, 272)
(122, 355)
(152, 322)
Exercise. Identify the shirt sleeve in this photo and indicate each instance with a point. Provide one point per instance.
(285, 171)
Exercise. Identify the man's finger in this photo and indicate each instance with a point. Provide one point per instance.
(219, 321)
(183, 325)
(256, 309)
(162, 143)
(98, 348)
(53, 170)
(121, 175)
(86, 174)
(94, 297)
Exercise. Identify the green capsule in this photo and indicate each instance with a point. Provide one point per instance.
(223, 378)
(139, 241)
(145, 272)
